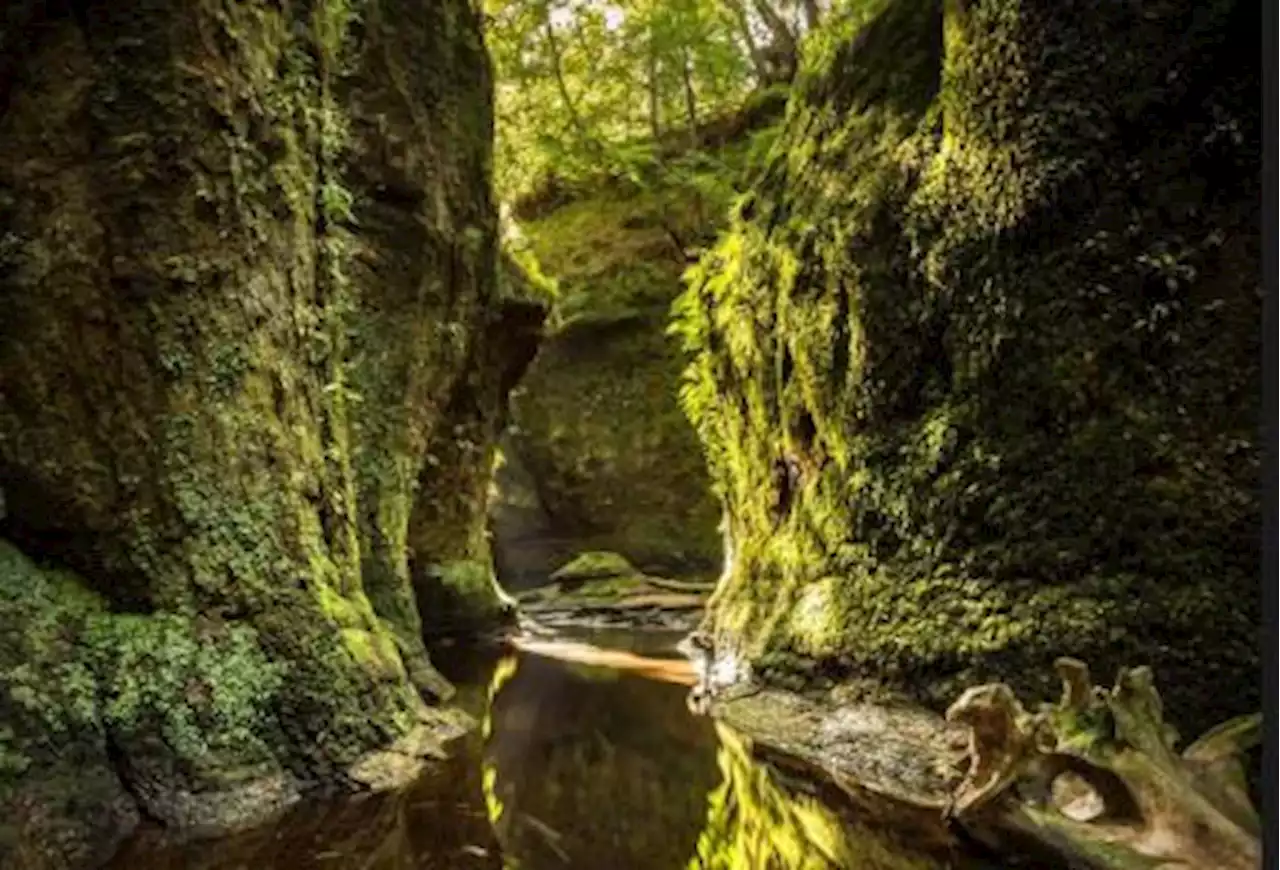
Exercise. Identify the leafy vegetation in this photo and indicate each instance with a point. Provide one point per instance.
(623, 133)
(611, 89)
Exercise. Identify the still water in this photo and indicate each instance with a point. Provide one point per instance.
(575, 767)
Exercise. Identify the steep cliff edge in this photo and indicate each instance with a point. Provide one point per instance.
(976, 366)
(246, 269)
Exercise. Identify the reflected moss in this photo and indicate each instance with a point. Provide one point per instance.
(754, 822)
(505, 670)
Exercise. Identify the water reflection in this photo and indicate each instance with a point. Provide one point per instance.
(575, 765)
(590, 767)
(757, 820)
(439, 824)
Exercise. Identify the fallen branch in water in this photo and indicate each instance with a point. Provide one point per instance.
(1094, 778)
(678, 671)
(679, 585)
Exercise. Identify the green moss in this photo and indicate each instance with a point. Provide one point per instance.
(596, 422)
(283, 306)
(961, 364)
(598, 427)
(206, 690)
(451, 564)
(594, 565)
(54, 763)
(376, 651)
(44, 677)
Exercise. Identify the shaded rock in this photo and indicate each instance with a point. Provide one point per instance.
(403, 761)
(450, 555)
(247, 270)
(892, 753)
(525, 549)
(397, 829)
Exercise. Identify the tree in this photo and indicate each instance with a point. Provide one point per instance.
(587, 86)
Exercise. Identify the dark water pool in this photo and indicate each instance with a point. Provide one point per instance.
(574, 766)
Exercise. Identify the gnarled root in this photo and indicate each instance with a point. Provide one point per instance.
(1097, 776)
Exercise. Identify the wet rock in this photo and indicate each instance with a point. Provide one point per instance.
(402, 762)
(604, 590)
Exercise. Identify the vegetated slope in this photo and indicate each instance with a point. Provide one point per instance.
(976, 366)
(600, 456)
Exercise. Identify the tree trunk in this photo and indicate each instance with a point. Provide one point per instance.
(758, 60)
(812, 14)
(553, 47)
(690, 98)
(655, 108)
(782, 34)
(784, 41)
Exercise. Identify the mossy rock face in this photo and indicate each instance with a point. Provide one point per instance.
(598, 443)
(976, 366)
(246, 269)
(62, 802)
(450, 559)
(597, 565)
(595, 578)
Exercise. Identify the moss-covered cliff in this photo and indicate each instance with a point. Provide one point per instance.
(976, 366)
(451, 561)
(598, 441)
(246, 271)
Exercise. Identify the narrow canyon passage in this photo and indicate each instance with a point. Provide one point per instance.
(632, 434)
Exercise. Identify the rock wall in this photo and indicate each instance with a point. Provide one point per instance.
(599, 456)
(452, 563)
(976, 367)
(246, 272)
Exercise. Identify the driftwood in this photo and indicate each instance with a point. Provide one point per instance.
(1096, 776)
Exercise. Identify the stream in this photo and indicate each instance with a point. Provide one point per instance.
(574, 766)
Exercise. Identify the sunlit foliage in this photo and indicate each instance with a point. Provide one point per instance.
(589, 87)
